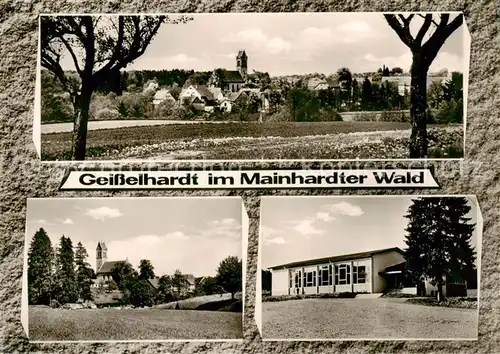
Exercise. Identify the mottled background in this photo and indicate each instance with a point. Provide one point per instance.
(23, 176)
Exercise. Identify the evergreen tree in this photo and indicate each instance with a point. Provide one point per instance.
(438, 240)
(83, 273)
(355, 92)
(67, 289)
(40, 268)
(366, 94)
(146, 270)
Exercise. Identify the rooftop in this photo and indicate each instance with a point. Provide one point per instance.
(338, 258)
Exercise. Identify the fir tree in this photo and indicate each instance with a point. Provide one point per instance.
(40, 268)
(67, 289)
(438, 239)
(83, 273)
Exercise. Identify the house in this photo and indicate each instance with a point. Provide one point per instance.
(162, 96)
(316, 84)
(104, 268)
(403, 83)
(198, 96)
(357, 272)
(217, 93)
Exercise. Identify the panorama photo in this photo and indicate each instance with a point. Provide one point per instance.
(370, 267)
(252, 86)
(129, 269)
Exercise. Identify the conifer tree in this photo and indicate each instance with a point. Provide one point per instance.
(40, 268)
(439, 240)
(67, 290)
(83, 273)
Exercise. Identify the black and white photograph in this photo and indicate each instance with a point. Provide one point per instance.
(369, 268)
(134, 269)
(252, 86)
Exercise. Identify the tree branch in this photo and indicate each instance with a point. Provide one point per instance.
(402, 31)
(423, 30)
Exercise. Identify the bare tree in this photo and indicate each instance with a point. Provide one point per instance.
(437, 28)
(98, 46)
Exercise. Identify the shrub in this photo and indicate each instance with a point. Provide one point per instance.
(236, 306)
(164, 110)
(343, 295)
(56, 108)
(282, 115)
(328, 115)
(450, 112)
(107, 114)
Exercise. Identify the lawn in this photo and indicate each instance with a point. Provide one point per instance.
(280, 140)
(364, 318)
(46, 324)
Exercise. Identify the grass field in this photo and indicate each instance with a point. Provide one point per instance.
(281, 140)
(46, 324)
(364, 318)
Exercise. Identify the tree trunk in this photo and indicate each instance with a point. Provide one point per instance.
(418, 107)
(81, 119)
(232, 296)
(440, 296)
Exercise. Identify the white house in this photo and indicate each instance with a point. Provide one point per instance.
(163, 95)
(317, 84)
(403, 83)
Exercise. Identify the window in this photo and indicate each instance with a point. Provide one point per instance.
(295, 279)
(325, 276)
(359, 274)
(310, 278)
(342, 274)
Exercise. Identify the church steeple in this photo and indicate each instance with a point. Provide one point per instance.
(242, 63)
(101, 255)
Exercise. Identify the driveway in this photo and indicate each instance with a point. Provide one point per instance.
(365, 319)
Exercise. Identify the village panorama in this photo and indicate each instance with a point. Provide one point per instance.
(243, 111)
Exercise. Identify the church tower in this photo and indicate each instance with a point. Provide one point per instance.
(101, 255)
(242, 64)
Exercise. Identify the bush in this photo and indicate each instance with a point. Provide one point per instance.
(236, 306)
(344, 295)
(328, 115)
(394, 116)
(56, 108)
(459, 302)
(107, 114)
(165, 110)
(450, 112)
(282, 115)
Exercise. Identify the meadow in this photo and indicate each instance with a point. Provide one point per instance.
(47, 324)
(251, 140)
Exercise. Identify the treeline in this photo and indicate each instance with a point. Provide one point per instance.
(137, 289)
(61, 274)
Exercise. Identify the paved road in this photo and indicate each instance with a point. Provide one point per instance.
(364, 318)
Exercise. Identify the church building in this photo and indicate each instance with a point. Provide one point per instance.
(104, 267)
(231, 80)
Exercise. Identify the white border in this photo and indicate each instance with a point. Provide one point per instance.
(244, 248)
(478, 249)
(466, 58)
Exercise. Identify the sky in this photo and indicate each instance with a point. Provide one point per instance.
(301, 228)
(291, 43)
(190, 234)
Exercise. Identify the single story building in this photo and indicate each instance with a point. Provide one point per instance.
(376, 271)
(356, 272)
